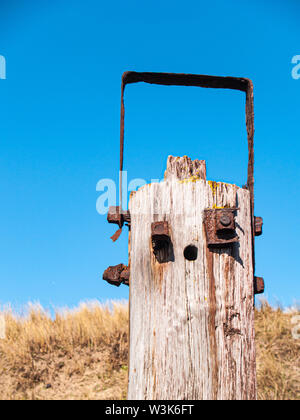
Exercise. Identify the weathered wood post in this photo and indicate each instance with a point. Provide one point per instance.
(191, 306)
(191, 265)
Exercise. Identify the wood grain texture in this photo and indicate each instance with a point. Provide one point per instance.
(191, 322)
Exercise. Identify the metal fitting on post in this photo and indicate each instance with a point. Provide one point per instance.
(117, 216)
(117, 274)
(220, 227)
(161, 242)
(160, 231)
(225, 220)
(259, 285)
(258, 223)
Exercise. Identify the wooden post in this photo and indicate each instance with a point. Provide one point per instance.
(191, 321)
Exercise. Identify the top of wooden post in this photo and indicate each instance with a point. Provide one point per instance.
(183, 168)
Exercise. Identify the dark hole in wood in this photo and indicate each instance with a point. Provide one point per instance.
(163, 250)
(190, 252)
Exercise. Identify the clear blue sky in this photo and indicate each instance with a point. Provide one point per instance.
(59, 131)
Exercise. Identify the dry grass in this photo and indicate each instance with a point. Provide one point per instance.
(278, 355)
(82, 354)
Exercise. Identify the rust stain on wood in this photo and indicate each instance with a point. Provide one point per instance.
(212, 321)
(157, 273)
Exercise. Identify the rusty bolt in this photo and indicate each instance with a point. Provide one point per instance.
(117, 274)
(258, 222)
(225, 220)
(259, 285)
(112, 274)
(118, 216)
(114, 216)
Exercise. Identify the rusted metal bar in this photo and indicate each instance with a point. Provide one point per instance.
(118, 216)
(204, 81)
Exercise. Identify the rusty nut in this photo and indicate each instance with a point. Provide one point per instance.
(225, 220)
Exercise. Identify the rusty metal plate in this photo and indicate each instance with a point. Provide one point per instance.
(160, 230)
(220, 227)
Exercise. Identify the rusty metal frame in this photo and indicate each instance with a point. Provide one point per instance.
(204, 81)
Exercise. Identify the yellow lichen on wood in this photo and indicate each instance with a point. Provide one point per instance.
(227, 206)
(213, 186)
(193, 178)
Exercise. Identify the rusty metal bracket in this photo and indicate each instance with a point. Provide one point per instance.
(118, 217)
(160, 231)
(259, 285)
(258, 223)
(204, 81)
(117, 274)
(160, 236)
(220, 227)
